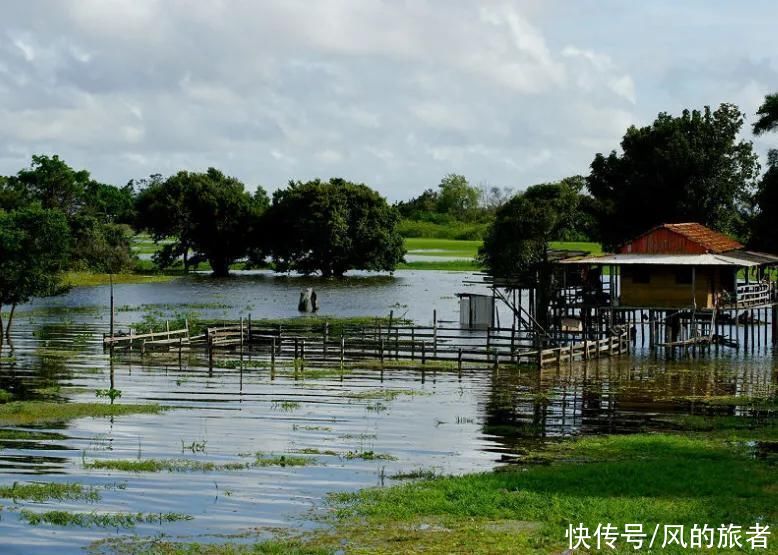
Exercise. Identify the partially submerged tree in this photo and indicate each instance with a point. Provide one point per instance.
(692, 167)
(208, 213)
(33, 253)
(331, 227)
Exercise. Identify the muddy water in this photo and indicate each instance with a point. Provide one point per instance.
(410, 419)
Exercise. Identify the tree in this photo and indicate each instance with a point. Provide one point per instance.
(516, 245)
(209, 213)
(33, 253)
(572, 209)
(457, 197)
(763, 236)
(686, 168)
(92, 209)
(331, 227)
(768, 115)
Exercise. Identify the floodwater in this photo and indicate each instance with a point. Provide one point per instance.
(408, 419)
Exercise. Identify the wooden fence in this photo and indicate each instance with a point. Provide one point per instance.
(339, 344)
(612, 345)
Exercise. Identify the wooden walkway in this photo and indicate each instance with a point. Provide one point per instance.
(324, 344)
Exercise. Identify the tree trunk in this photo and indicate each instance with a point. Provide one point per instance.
(186, 260)
(220, 267)
(10, 321)
(1, 324)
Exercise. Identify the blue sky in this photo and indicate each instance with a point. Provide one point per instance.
(392, 93)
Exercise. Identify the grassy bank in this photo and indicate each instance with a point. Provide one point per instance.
(88, 279)
(724, 475)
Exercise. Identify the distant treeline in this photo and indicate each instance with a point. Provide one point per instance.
(691, 167)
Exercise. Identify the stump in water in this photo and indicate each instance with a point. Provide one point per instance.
(309, 302)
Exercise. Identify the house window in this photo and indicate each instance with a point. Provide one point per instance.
(641, 274)
(683, 275)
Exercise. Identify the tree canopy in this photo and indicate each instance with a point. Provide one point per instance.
(208, 213)
(92, 210)
(687, 168)
(768, 115)
(33, 253)
(331, 227)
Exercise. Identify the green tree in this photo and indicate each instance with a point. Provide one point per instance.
(33, 253)
(92, 209)
(516, 246)
(457, 197)
(574, 211)
(687, 168)
(763, 236)
(768, 115)
(331, 227)
(208, 213)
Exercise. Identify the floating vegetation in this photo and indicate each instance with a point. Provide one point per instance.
(377, 407)
(26, 435)
(315, 451)
(111, 393)
(362, 437)
(282, 460)
(102, 520)
(49, 491)
(306, 428)
(194, 447)
(383, 394)
(285, 406)
(35, 412)
(369, 456)
(160, 465)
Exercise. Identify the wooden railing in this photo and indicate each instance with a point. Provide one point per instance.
(585, 350)
(753, 294)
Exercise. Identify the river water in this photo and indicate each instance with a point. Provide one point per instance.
(398, 420)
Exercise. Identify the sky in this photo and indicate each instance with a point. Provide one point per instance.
(392, 93)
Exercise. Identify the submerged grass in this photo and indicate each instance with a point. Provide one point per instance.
(48, 491)
(102, 520)
(160, 465)
(36, 412)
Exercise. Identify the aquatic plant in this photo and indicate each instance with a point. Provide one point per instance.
(160, 465)
(103, 520)
(47, 491)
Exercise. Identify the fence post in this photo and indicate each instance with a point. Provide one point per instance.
(423, 352)
(435, 332)
(459, 362)
(248, 336)
(413, 343)
(342, 351)
(273, 354)
(324, 341)
(586, 349)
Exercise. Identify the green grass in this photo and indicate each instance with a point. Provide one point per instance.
(649, 479)
(90, 279)
(441, 265)
(26, 435)
(102, 520)
(40, 492)
(5, 396)
(424, 246)
(37, 412)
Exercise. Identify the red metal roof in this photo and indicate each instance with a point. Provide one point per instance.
(683, 238)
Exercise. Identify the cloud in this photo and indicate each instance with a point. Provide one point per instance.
(391, 93)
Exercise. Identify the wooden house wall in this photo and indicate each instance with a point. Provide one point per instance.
(662, 241)
(663, 289)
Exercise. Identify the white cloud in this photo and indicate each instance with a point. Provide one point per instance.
(395, 94)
